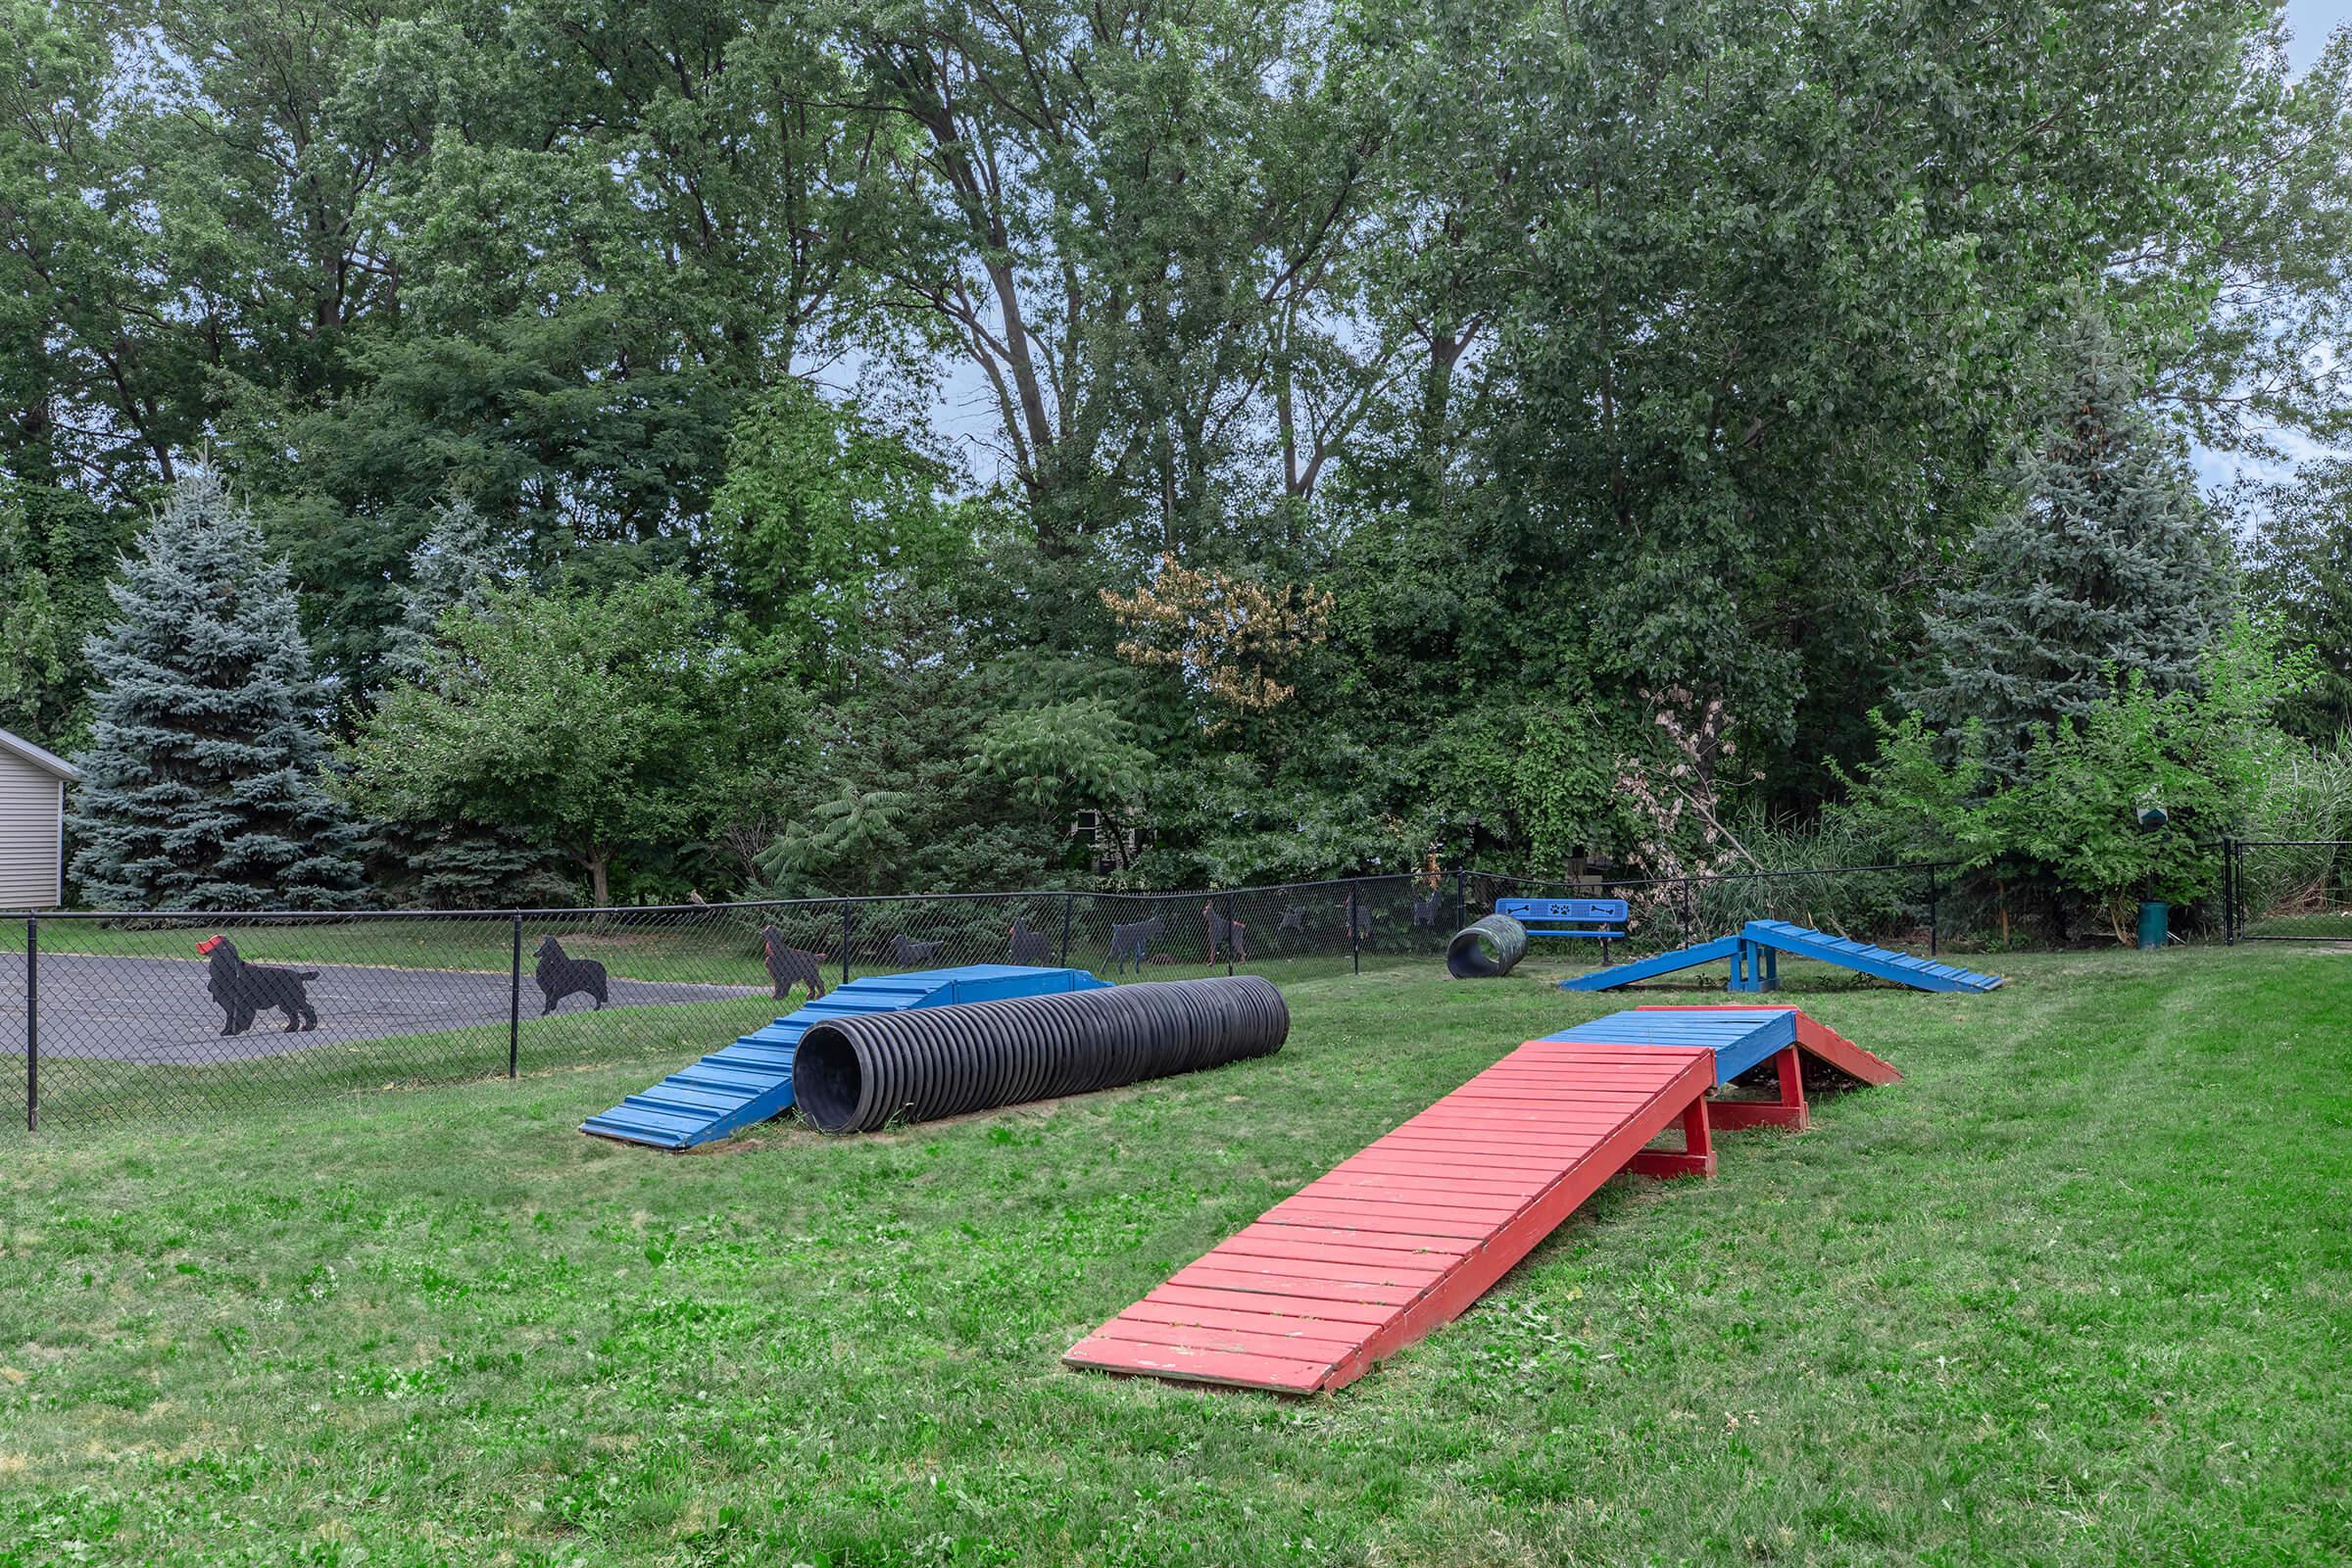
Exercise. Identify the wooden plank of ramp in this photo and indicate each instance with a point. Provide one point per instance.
(1403, 1237)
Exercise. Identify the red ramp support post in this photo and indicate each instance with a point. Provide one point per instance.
(1788, 1111)
(1696, 1156)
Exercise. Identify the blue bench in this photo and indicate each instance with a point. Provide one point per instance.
(1602, 920)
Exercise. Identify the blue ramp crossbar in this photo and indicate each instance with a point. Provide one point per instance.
(1741, 1038)
(750, 1081)
(1625, 974)
(1885, 964)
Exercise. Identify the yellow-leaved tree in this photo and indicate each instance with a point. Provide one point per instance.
(1230, 638)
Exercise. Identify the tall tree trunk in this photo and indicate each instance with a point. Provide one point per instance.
(597, 860)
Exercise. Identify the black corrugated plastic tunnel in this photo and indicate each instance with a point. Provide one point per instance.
(1486, 949)
(853, 1074)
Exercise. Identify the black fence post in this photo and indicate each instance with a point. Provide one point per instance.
(1932, 890)
(2230, 893)
(32, 1023)
(1068, 899)
(846, 907)
(1690, 914)
(1356, 930)
(1461, 898)
(2237, 888)
(514, 997)
(1232, 935)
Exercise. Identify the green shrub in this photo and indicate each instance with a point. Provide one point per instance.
(2208, 755)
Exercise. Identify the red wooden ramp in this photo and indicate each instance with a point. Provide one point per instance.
(1404, 1236)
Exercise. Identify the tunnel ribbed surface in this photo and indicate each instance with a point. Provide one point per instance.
(1468, 956)
(855, 1074)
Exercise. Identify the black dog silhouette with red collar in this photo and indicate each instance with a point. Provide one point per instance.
(244, 989)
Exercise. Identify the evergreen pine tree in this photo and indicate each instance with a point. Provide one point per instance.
(2108, 565)
(455, 864)
(458, 562)
(201, 785)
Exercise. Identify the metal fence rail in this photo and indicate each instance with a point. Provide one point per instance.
(120, 1015)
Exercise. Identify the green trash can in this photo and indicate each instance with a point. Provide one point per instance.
(2155, 925)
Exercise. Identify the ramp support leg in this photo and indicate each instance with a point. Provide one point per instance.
(1755, 968)
(1788, 1111)
(1696, 1156)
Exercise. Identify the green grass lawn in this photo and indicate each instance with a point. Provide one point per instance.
(2078, 1290)
(81, 1093)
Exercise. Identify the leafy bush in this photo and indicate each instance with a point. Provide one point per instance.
(2206, 755)
(2307, 794)
(2307, 800)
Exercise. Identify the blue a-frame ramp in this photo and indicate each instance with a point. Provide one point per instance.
(1754, 956)
(1625, 974)
(750, 1081)
(1903, 968)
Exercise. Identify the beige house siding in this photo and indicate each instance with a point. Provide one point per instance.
(31, 814)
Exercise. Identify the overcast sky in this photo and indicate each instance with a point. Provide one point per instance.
(2312, 21)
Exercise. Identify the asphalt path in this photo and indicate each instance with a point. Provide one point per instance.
(159, 1011)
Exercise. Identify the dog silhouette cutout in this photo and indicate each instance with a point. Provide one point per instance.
(788, 965)
(1363, 917)
(1131, 943)
(1230, 935)
(562, 975)
(1293, 919)
(1030, 949)
(906, 951)
(1425, 910)
(245, 989)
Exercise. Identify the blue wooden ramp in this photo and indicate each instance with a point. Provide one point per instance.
(1755, 953)
(750, 1081)
(1625, 974)
(1903, 968)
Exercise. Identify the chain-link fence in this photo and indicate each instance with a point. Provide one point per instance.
(112, 1015)
(109, 1017)
(192, 1014)
(2290, 890)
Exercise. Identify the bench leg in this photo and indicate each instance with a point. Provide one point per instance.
(1788, 1111)
(1696, 1156)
